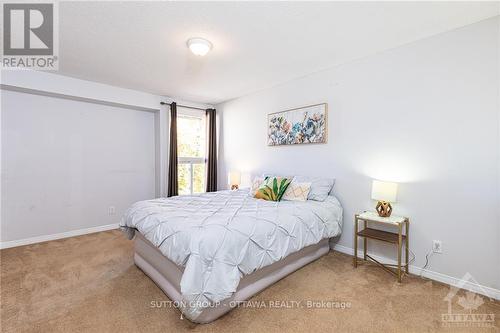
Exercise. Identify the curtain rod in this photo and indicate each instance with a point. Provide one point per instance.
(183, 106)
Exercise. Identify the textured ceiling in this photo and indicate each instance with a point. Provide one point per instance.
(142, 45)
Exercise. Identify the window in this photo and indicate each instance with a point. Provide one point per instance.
(191, 149)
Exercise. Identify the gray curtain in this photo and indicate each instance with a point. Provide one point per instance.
(212, 151)
(173, 186)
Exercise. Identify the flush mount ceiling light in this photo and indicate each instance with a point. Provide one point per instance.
(199, 46)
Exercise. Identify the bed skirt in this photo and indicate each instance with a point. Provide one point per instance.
(167, 275)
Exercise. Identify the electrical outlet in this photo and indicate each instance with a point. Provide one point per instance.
(437, 246)
(111, 210)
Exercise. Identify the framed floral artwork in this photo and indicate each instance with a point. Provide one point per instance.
(307, 124)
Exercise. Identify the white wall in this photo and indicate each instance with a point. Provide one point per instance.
(426, 115)
(70, 149)
(65, 162)
(81, 89)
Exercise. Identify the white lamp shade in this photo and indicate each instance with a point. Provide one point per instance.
(384, 191)
(234, 178)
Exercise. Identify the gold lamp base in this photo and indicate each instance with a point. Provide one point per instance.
(384, 209)
(234, 187)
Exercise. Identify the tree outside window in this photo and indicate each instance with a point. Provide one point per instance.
(191, 147)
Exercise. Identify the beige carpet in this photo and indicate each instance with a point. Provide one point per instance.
(90, 283)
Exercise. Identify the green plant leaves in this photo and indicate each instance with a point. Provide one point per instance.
(273, 188)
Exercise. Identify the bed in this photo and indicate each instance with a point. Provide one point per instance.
(208, 252)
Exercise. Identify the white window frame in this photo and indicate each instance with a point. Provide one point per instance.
(190, 113)
(191, 161)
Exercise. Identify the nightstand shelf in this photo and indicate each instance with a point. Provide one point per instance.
(396, 238)
(380, 235)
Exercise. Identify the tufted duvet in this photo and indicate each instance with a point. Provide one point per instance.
(218, 237)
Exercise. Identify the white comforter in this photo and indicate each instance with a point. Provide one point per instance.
(219, 237)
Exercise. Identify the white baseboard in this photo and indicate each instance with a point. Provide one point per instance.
(450, 280)
(45, 238)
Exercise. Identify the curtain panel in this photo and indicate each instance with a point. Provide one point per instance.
(173, 186)
(212, 151)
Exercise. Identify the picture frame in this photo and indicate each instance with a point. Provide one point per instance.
(303, 125)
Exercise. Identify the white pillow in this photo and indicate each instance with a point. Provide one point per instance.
(320, 187)
(256, 182)
(297, 191)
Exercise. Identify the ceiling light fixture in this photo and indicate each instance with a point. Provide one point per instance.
(199, 46)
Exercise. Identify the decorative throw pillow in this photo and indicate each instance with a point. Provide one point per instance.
(320, 187)
(297, 191)
(256, 182)
(272, 188)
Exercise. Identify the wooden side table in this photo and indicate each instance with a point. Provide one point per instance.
(385, 236)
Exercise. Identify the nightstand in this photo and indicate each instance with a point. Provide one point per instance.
(396, 238)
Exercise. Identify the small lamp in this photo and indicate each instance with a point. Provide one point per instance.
(385, 193)
(234, 179)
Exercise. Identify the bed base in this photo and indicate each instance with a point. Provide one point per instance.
(167, 275)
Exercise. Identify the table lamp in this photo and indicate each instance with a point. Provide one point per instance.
(385, 193)
(234, 179)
